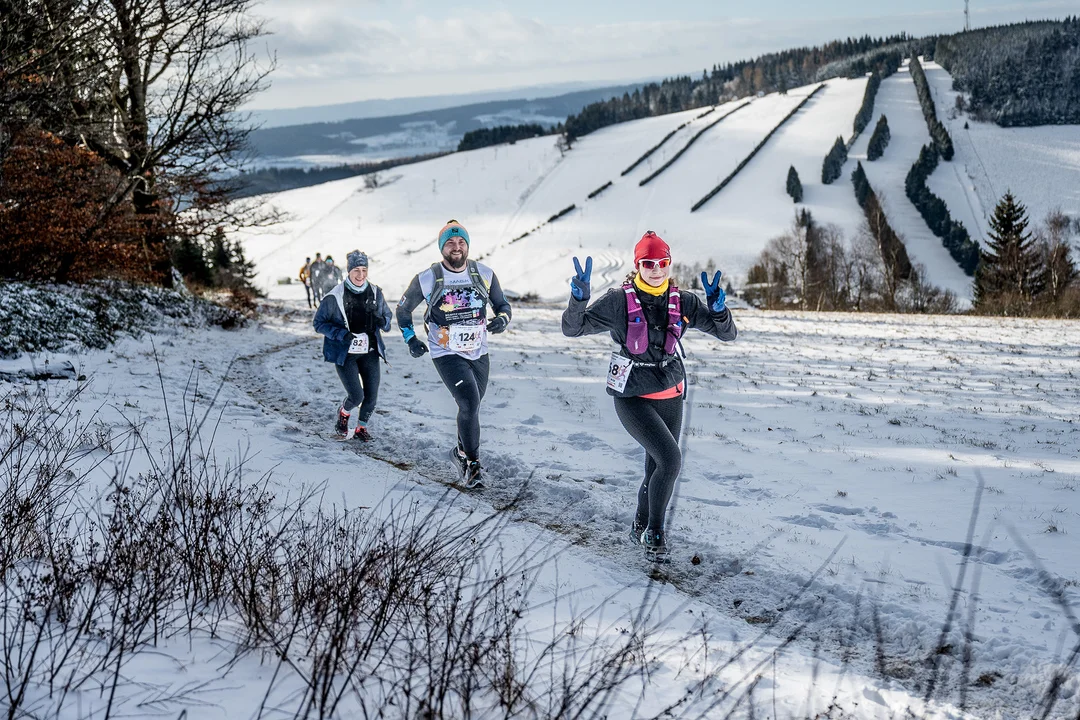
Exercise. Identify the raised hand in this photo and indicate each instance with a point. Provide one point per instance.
(714, 294)
(579, 284)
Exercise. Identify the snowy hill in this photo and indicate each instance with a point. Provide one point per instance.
(897, 101)
(1041, 165)
(501, 193)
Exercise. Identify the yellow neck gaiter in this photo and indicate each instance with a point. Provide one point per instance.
(646, 287)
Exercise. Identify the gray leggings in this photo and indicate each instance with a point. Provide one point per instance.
(467, 381)
(655, 424)
(360, 376)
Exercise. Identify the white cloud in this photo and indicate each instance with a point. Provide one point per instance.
(335, 52)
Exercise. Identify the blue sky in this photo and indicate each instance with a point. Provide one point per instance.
(336, 51)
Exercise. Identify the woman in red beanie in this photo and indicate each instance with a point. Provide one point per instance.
(646, 317)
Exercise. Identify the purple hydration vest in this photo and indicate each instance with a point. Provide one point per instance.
(637, 330)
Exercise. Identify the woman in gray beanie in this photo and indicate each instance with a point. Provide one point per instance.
(352, 317)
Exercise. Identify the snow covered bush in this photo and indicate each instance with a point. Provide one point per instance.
(58, 318)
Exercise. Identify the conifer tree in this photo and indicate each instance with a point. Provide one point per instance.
(833, 167)
(879, 140)
(794, 185)
(1009, 270)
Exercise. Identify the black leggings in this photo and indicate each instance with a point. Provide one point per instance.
(467, 381)
(655, 424)
(360, 376)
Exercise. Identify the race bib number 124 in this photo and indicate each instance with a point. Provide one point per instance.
(466, 338)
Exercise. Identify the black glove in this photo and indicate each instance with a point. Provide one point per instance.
(498, 323)
(417, 347)
(371, 305)
(349, 337)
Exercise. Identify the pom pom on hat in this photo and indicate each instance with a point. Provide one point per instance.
(452, 229)
(356, 259)
(651, 247)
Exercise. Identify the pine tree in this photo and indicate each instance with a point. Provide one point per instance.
(879, 140)
(833, 167)
(794, 185)
(1009, 270)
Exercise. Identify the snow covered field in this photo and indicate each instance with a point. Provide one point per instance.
(833, 464)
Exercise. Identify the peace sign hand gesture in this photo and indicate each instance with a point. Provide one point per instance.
(579, 284)
(714, 294)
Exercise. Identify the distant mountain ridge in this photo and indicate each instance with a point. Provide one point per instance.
(387, 107)
(380, 138)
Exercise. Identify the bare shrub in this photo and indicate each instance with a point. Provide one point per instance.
(398, 607)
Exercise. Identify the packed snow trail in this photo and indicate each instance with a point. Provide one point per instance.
(765, 464)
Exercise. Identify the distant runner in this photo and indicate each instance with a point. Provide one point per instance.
(315, 277)
(305, 278)
(352, 317)
(646, 317)
(330, 276)
(457, 292)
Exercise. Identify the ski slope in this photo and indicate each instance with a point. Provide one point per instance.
(499, 193)
(898, 101)
(1040, 165)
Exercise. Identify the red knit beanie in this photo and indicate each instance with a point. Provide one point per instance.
(650, 247)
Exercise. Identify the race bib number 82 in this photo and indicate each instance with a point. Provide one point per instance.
(360, 345)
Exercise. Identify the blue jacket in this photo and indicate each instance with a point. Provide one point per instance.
(331, 323)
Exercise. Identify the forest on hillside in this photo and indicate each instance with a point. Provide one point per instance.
(1018, 75)
(774, 72)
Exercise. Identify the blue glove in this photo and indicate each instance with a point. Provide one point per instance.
(579, 284)
(714, 294)
(498, 323)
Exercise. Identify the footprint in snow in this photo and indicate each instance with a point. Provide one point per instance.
(838, 510)
(583, 441)
(811, 521)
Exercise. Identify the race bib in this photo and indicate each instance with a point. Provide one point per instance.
(360, 344)
(619, 372)
(466, 338)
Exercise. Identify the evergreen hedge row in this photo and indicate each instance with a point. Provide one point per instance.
(892, 247)
(938, 133)
(723, 183)
(954, 236)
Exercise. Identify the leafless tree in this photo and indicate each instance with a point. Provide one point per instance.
(51, 75)
(155, 87)
(1055, 248)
